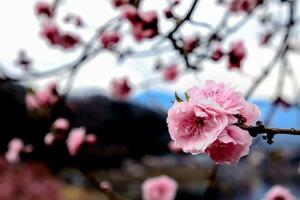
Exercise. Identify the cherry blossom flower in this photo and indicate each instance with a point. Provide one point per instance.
(231, 145)
(190, 43)
(159, 188)
(144, 24)
(217, 53)
(44, 8)
(51, 33)
(109, 39)
(49, 139)
(75, 140)
(279, 192)
(194, 127)
(243, 5)
(43, 98)
(68, 40)
(118, 3)
(236, 55)
(120, 88)
(15, 146)
(170, 72)
(206, 122)
(61, 125)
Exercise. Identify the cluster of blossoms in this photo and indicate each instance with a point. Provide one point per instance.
(42, 99)
(159, 188)
(236, 54)
(75, 138)
(57, 37)
(50, 30)
(206, 122)
(247, 6)
(278, 192)
(144, 24)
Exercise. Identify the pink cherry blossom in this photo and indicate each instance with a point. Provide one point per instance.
(61, 125)
(75, 140)
(249, 112)
(190, 43)
(43, 98)
(170, 73)
(279, 192)
(168, 13)
(231, 145)
(130, 13)
(56, 37)
(68, 40)
(49, 139)
(91, 139)
(225, 97)
(143, 24)
(15, 147)
(44, 8)
(120, 88)
(265, 38)
(206, 122)
(243, 5)
(51, 33)
(217, 53)
(109, 39)
(118, 3)
(159, 188)
(194, 127)
(236, 55)
(31, 102)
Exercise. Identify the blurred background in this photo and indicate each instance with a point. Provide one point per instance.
(129, 117)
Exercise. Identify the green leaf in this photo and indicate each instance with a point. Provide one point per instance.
(187, 97)
(178, 99)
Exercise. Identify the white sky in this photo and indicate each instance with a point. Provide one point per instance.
(20, 30)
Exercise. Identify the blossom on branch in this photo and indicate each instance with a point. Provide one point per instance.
(120, 88)
(206, 122)
(170, 72)
(143, 24)
(159, 188)
(109, 39)
(44, 8)
(243, 5)
(236, 54)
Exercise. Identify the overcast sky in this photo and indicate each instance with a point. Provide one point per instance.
(20, 30)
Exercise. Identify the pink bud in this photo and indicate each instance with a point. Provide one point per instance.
(105, 185)
(51, 33)
(15, 146)
(61, 125)
(44, 8)
(236, 54)
(118, 3)
(168, 13)
(217, 53)
(190, 43)
(75, 140)
(170, 73)
(91, 139)
(120, 88)
(68, 41)
(109, 39)
(130, 13)
(49, 139)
